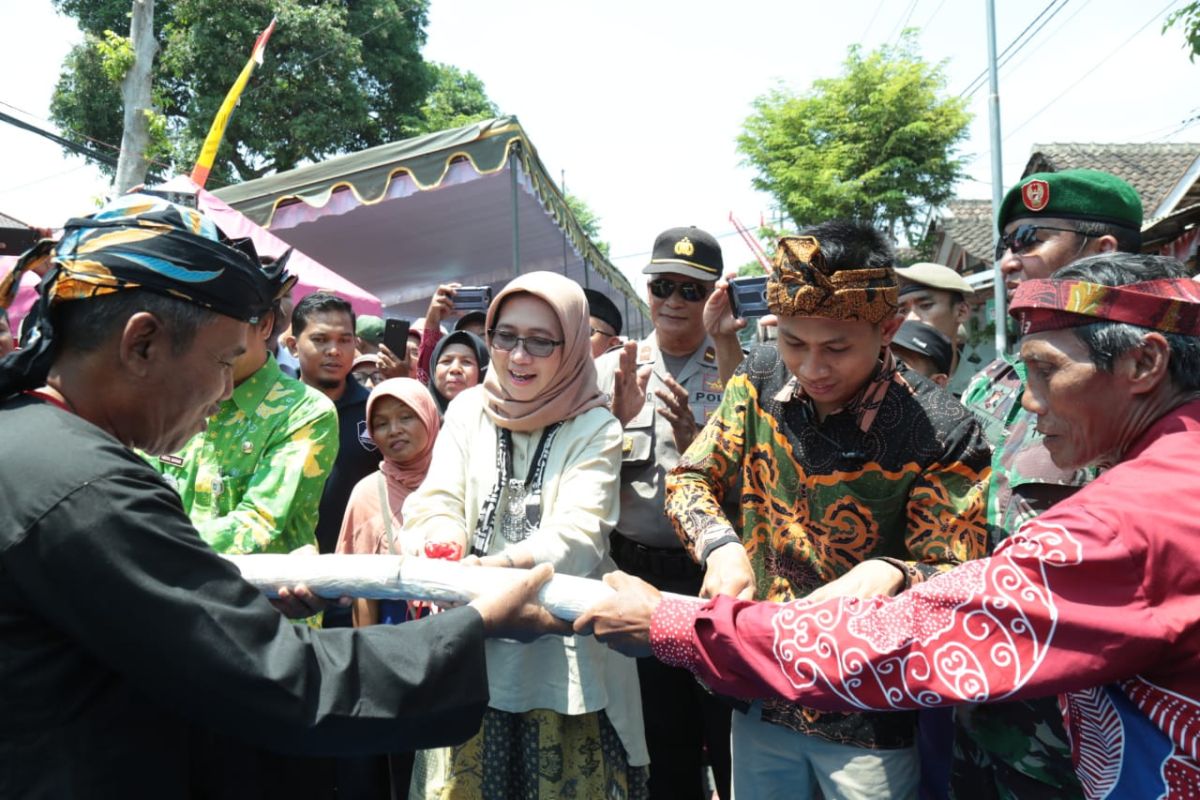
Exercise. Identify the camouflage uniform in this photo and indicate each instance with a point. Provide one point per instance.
(1016, 750)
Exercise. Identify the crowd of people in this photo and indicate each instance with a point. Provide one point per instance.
(834, 578)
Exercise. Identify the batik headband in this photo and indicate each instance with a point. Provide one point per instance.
(802, 285)
(1170, 305)
(137, 242)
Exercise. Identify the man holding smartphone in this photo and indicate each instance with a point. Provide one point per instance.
(663, 389)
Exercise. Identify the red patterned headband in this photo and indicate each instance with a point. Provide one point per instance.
(1171, 305)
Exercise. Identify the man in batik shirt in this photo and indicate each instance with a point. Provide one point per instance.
(856, 475)
(1097, 599)
(1018, 751)
(252, 481)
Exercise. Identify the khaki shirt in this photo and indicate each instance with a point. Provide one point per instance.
(648, 447)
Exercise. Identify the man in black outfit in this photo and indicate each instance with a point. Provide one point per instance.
(123, 636)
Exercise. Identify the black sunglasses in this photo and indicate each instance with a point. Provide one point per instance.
(691, 291)
(1024, 237)
(536, 346)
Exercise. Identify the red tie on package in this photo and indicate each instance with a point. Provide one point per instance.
(448, 551)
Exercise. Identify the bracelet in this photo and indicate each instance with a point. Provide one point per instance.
(720, 541)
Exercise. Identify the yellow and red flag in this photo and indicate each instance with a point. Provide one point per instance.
(208, 153)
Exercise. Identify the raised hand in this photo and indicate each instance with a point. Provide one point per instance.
(629, 385)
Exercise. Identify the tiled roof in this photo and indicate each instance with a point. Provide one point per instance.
(1151, 168)
(968, 223)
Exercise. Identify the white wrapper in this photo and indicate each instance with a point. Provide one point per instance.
(401, 578)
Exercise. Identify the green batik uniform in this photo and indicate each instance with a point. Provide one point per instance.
(252, 482)
(1016, 750)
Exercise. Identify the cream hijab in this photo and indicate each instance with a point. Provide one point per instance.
(573, 389)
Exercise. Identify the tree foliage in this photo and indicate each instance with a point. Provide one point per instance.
(588, 221)
(1187, 18)
(338, 76)
(875, 143)
(457, 98)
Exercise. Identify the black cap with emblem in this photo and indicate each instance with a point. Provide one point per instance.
(690, 252)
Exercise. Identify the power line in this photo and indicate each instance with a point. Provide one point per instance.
(1004, 61)
(899, 29)
(1041, 43)
(863, 36)
(88, 152)
(54, 137)
(1008, 47)
(934, 14)
(1092, 69)
(43, 179)
(1016, 45)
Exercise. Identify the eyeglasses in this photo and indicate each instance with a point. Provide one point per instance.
(602, 333)
(691, 291)
(536, 346)
(1024, 237)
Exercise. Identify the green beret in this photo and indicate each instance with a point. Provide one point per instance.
(369, 329)
(1084, 194)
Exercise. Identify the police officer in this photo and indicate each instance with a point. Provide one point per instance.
(663, 389)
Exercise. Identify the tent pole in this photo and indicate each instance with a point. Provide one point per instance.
(516, 221)
(563, 185)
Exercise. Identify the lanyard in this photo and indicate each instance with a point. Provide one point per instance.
(49, 398)
(524, 498)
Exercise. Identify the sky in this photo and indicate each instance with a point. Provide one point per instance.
(639, 103)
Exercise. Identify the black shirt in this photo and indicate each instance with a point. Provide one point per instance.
(357, 458)
(121, 631)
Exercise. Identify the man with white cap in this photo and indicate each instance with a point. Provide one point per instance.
(936, 295)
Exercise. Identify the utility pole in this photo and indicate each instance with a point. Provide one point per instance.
(998, 288)
(135, 94)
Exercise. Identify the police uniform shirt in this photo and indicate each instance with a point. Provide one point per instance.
(648, 446)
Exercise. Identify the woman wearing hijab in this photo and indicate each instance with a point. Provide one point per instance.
(459, 361)
(403, 421)
(527, 469)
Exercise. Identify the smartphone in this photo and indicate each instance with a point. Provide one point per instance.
(395, 336)
(748, 297)
(472, 298)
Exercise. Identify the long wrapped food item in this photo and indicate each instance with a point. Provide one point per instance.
(403, 578)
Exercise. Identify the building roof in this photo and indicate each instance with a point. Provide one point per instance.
(1154, 169)
(968, 223)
